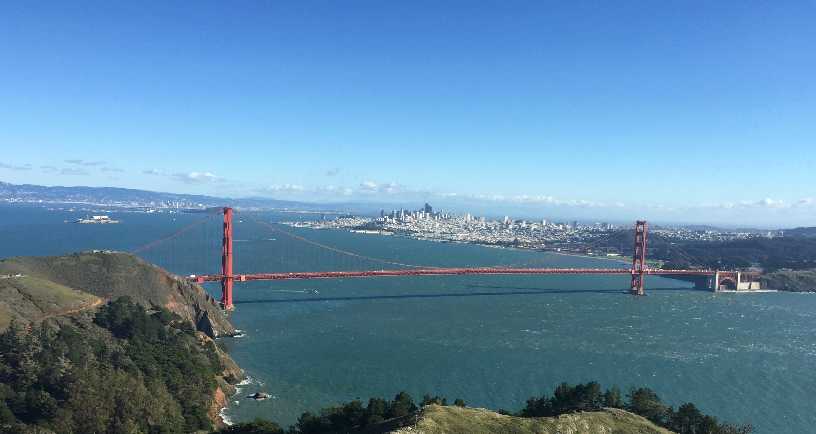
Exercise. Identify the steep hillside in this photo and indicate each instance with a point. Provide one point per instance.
(55, 283)
(790, 280)
(435, 419)
(808, 232)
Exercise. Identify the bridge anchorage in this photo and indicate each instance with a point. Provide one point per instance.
(703, 279)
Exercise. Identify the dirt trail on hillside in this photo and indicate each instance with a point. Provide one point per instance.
(66, 312)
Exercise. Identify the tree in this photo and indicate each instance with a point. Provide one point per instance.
(537, 407)
(459, 402)
(347, 416)
(437, 400)
(645, 402)
(146, 375)
(686, 420)
(309, 423)
(612, 398)
(375, 411)
(402, 405)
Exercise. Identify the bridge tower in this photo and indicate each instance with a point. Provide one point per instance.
(226, 262)
(639, 258)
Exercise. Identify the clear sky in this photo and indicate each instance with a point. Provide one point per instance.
(681, 111)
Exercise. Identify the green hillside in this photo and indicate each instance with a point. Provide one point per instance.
(33, 299)
(56, 283)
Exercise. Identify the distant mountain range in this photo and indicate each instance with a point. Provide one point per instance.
(801, 232)
(126, 197)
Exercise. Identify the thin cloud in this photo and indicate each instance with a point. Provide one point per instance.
(285, 188)
(85, 163)
(112, 169)
(808, 201)
(15, 166)
(154, 172)
(369, 187)
(766, 203)
(291, 189)
(374, 190)
(540, 200)
(333, 172)
(73, 171)
(196, 177)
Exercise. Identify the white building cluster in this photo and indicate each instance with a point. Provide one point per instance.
(441, 226)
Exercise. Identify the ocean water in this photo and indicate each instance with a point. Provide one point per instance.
(492, 340)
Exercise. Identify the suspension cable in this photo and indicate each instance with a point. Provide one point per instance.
(155, 243)
(334, 249)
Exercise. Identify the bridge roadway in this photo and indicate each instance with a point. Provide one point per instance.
(441, 272)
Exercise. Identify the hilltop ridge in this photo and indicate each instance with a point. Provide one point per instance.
(50, 284)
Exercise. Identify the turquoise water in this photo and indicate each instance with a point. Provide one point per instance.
(491, 340)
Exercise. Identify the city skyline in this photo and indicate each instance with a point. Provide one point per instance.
(685, 114)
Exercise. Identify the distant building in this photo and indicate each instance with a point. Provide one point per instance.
(97, 219)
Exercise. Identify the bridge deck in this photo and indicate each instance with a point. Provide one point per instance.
(442, 272)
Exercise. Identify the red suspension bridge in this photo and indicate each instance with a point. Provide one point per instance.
(711, 279)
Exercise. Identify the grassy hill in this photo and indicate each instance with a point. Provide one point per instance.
(436, 419)
(33, 299)
(52, 284)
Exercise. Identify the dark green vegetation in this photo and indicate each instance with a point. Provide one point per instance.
(770, 254)
(790, 280)
(380, 415)
(806, 232)
(127, 371)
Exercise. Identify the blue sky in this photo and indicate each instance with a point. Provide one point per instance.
(681, 111)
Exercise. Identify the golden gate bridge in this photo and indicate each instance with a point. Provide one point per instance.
(704, 278)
